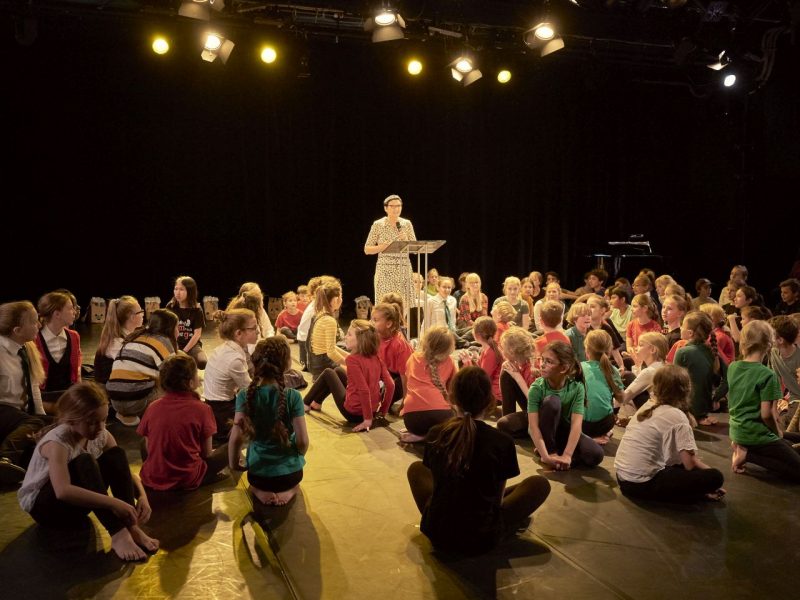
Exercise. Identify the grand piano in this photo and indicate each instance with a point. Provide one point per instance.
(625, 258)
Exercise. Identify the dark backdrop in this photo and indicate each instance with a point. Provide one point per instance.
(124, 170)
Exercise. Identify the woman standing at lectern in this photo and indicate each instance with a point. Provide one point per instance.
(393, 270)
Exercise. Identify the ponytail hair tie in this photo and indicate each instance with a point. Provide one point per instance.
(467, 413)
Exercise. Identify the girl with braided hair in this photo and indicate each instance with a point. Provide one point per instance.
(460, 485)
(428, 372)
(705, 368)
(271, 419)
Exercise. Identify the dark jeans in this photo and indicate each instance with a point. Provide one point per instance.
(215, 463)
(281, 483)
(288, 332)
(675, 484)
(778, 457)
(555, 433)
(518, 502)
(224, 411)
(421, 421)
(111, 470)
(15, 428)
(333, 382)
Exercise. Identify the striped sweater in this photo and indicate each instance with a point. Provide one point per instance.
(135, 370)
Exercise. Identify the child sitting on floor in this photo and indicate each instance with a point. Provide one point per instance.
(603, 387)
(460, 485)
(657, 457)
(74, 463)
(271, 420)
(491, 359)
(752, 403)
(177, 430)
(289, 318)
(429, 371)
(356, 390)
(556, 405)
(515, 380)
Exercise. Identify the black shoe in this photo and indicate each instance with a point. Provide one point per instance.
(10, 474)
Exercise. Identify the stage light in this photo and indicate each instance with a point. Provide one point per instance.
(216, 46)
(553, 45)
(504, 76)
(160, 45)
(200, 9)
(723, 61)
(386, 24)
(544, 31)
(414, 67)
(729, 80)
(463, 70)
(268, 54)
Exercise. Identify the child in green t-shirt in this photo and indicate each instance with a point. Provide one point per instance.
(556, 404)
(753, 394)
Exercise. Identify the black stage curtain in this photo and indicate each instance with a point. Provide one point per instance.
(127, 170)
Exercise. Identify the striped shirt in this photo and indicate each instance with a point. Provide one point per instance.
(135, 370)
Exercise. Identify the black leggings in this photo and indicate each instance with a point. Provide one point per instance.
(399, 392)
(518, 502)
(111, 470)
(597, 428)
(421, 421)
(333, 382)
(555, 433)
(778, 457)
(281, 483)
(513, 396)
(675, 484)
(224, 411)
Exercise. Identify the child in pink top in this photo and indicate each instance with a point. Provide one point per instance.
(361, 398)
(491, 359)
(428, 373)
(394, 349)
(644, 319)
(289, 318)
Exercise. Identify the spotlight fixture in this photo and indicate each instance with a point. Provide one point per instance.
(463, 70)
(414, 67)
(200, 9)
(722, 62)
(216, 46)
(504, 76)
(730, 80)
(543, 38)
(386, 24)
(268, 55)
(160, 45)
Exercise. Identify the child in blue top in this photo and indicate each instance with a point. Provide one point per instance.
(603, 386)
(271, 418)
(753, 395)
(555, 412)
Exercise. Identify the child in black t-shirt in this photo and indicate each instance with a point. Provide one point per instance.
(460, 486)
(191, 319)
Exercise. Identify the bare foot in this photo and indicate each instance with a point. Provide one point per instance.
(707, 421)
(125, 547)
(282, 498)
(738, 458)
(410, 438)
(602, 440)
(143, 540)
(262, 496)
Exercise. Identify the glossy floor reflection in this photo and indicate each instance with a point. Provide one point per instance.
(353, 533)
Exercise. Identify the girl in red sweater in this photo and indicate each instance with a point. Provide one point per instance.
(356, 391)
(394, 349)
(59, 346)
(491, 359)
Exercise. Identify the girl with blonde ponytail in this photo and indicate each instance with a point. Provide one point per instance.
(271, 419)
(460, 485)
(603, 387)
